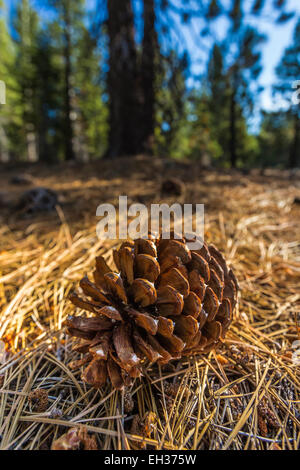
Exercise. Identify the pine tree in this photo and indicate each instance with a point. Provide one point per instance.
(217, 84)
(48, 97)
(91, 109)
(66, 22)
(171, 114)
(275, 138)
(68, 18)
(204, 139)
(240, 61)
(242, 52)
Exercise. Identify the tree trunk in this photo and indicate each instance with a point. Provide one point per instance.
(42, 139)
(233, 154)
(29, 125)
(295, 148)
(28, 89)
(123, 86)
(31, 143)
(150, 45)
(68, 137)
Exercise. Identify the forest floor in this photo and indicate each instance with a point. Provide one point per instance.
(246, 395)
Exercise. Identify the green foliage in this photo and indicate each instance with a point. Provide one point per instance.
(288, 71)
(203, 144)
(89, 92)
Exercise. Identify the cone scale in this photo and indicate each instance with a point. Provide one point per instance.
(163, 302)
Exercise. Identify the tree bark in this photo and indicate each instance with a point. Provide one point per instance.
(150, 46)
(123, 81)
(68, 137)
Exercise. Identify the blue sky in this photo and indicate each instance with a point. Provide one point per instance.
(279, 37)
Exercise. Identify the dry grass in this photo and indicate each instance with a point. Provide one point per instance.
(244, 396)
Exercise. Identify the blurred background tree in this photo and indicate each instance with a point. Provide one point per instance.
(288, 73)
(26, 73)
(117, 77)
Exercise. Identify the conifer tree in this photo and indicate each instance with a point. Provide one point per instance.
(7, 117)
(123, 81)
(243, 47)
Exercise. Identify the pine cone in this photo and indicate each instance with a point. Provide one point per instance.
(164, 303)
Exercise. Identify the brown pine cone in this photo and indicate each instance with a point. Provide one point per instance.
(165, 302)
